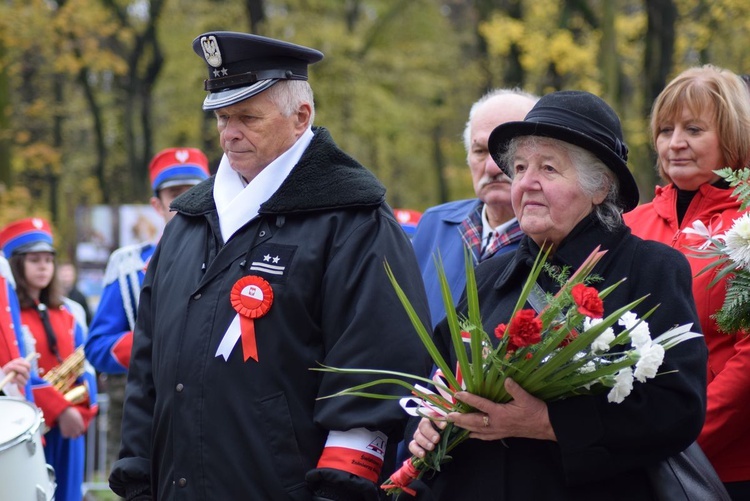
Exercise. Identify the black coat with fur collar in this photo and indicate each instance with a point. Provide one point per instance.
(198, 427)
(602, 448)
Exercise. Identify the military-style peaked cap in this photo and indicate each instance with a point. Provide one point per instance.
(241, 65)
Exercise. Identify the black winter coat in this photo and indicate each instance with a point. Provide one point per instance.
(196, 427)
(602, 447)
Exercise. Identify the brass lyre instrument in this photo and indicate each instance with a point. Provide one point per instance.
(63, 377)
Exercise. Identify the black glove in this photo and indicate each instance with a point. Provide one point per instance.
(328, 484)
(138, 493)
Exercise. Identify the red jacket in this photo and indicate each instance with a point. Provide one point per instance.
(724, 438)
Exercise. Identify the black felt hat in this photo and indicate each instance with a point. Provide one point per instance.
(579, 118)
(241, 65)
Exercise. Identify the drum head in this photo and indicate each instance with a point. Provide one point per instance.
(16, 418)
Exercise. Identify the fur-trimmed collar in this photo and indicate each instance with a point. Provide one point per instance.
(324, 178)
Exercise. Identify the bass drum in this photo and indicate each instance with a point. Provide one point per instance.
(24, 474)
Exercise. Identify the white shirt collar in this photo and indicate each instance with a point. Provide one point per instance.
(487, 229)
(238, 202)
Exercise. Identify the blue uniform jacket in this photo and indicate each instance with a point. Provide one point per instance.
(111, 335)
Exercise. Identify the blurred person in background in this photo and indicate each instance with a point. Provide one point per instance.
(12, 349)
(408, 219)
(57, 337)
(700, 122)
(172, 172)
(67, 274)
(486, 224)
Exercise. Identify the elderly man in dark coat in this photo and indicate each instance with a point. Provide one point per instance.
(269, 269)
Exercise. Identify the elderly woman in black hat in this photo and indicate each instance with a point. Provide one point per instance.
(570, 186)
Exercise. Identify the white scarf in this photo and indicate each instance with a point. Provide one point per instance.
(238, 202)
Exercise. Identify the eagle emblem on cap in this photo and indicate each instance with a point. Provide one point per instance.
(211, 51)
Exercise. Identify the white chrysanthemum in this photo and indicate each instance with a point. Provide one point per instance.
(601, 343)
(651, 357)
(641, 334)
(737, 241)
(628, 319)
(623, 386)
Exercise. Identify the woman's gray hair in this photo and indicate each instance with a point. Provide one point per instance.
(593, 176)
(288, 95)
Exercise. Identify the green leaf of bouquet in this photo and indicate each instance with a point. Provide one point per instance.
(567, 386)
(424, 335)
(728, 267)
(403, 375)
(455, 330)
(606, 292)
(740, 180)
(734, 314)
(475, 318)
(536, 270)
(536, 379)
(355, 390)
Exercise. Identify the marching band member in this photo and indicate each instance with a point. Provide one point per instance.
(12, 350)
(56, 336)
(173, 171)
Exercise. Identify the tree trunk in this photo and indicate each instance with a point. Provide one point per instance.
(5, 125)
(608, 56)
(256, 14)
(658, 61)
(440, 164)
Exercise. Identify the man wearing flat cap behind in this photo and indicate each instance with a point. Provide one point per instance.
(271, 267)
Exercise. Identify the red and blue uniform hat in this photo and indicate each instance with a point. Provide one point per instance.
(32, 234)
(178, 167)
(408, 220)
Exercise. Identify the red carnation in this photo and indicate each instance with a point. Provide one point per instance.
(524, 329)
(588, 301)
(500, 330)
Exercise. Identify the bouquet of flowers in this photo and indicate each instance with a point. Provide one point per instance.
(731, 251)
(567, 348)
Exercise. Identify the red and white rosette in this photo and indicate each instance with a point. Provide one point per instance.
(251, 298)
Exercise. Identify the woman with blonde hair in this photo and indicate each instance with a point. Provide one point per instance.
(700, 123)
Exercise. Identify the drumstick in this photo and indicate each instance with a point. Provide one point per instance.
(8, 377)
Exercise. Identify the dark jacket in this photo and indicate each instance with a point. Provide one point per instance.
(197, 427)
(602, 447)
(724, 438)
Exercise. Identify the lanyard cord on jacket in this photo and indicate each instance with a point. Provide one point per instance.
(41, 308)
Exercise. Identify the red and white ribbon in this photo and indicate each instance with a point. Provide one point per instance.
(428, 405)
(358, 451)
(251, 297)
